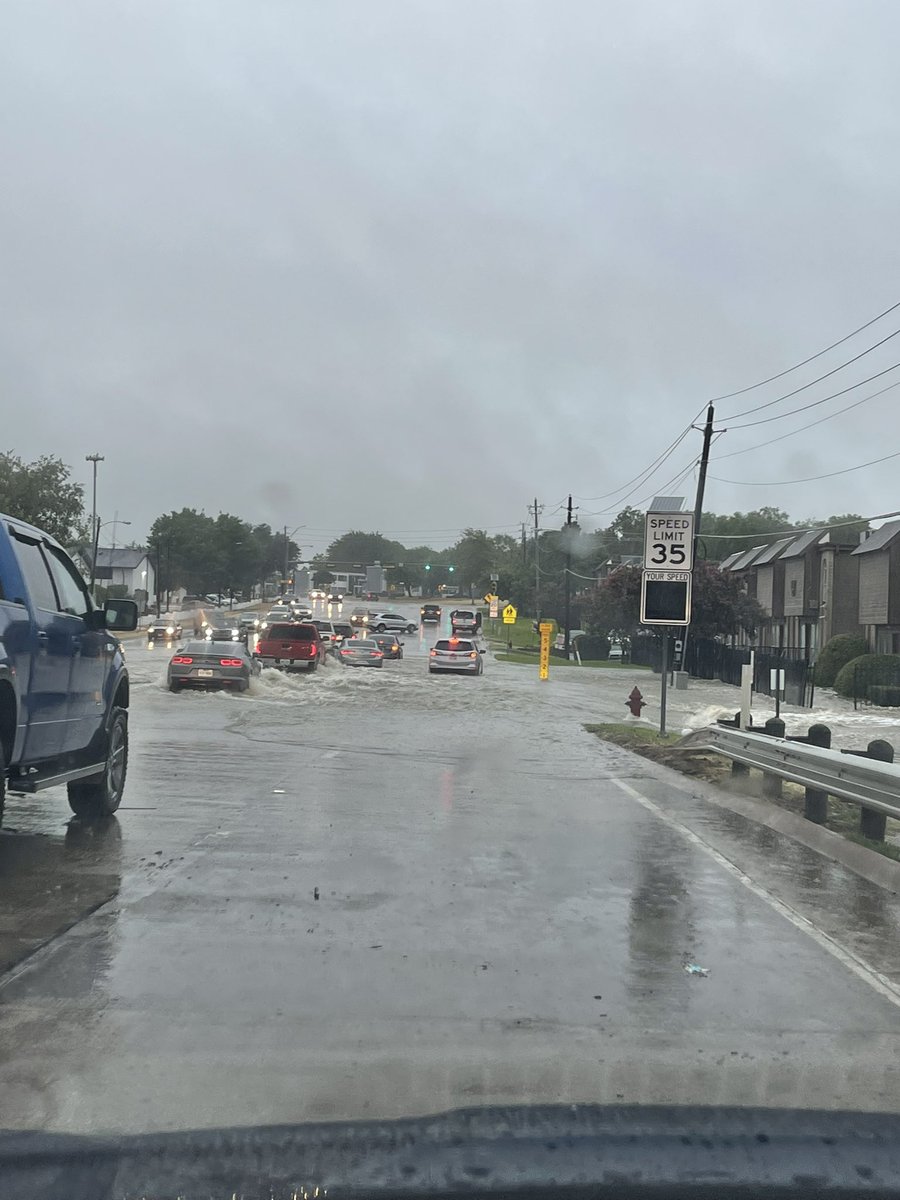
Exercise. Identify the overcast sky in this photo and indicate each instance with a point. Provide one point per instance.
(407, 265)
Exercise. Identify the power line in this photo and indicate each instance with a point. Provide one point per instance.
(640, 479)
(816, 403)
(803, 428)
(781, 374)
(808, 479)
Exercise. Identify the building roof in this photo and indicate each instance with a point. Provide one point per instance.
(801, 544)
(746, 557)
(667, 504)
(729, 562)
(879, 539)
(770, 553)
(120, 559)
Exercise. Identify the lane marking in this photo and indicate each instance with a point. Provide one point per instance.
(875, 980)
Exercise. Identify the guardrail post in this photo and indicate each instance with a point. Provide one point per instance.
(771, 784)
(815, 807)
(872, 824)
(738, 768)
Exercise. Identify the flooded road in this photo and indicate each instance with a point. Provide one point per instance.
(380, 893)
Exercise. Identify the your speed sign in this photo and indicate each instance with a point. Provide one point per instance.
(669, 541)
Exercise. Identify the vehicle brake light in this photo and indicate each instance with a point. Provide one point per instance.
(182, 662)
(454, 641)
(473, 654)
(377, 654)
(230, 662)
(434, 653)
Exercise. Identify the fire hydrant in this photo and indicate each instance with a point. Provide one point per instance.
(635, 701)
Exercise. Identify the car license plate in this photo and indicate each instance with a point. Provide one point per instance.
(204, 673)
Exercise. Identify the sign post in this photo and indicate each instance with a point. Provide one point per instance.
(666, 583)
(776, 685)
(546, 628)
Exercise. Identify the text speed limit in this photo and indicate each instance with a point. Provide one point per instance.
(669, 541)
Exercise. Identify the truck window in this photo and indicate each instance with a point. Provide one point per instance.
(36, 572)
(73, 595)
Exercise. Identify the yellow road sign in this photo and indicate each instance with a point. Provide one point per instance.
(490, 598)
(509, 615)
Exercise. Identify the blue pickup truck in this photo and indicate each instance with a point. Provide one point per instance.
(63, 682)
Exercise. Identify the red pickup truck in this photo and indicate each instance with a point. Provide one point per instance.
(292, 646)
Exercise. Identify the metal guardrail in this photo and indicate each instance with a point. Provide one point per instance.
(865, 781)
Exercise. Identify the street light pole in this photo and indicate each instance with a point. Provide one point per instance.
(95, 528)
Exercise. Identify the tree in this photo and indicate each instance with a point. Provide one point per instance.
(43, 494)
(719, 605)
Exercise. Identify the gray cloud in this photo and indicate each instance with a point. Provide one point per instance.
(409, 264)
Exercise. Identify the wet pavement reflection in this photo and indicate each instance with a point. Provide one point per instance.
(374, 893)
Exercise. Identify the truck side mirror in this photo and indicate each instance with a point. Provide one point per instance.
(120, 616)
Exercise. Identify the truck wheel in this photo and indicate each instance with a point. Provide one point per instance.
(101, 795)
(313, 666)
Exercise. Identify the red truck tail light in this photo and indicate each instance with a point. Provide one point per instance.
(181, 661)
(230, 662)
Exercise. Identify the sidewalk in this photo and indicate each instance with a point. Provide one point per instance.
(606, 689)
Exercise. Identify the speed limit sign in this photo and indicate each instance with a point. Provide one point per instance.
(669, 541)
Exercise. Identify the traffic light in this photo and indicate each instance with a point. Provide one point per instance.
(451, 568)
(428, 566)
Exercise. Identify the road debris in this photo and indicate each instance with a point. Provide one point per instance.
(694, 969)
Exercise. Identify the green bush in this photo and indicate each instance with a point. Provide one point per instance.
(885, 695)
(593, 648)
(856, 677)
(838, 651)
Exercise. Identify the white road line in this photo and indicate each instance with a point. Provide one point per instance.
(875, 980)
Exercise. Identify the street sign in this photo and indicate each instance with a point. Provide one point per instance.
(509, 615)
(668, 541)
(490, 598)
(495, 578)
(495, 608)
(666, 598)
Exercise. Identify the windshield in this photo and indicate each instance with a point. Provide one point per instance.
(616, 283)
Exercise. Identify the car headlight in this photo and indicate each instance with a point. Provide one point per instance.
(170, 629)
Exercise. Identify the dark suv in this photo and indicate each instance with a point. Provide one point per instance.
(63, 682)
(430, 613)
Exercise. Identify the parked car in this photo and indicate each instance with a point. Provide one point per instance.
(465, 620)
(381, 622)
(455, 654)
(211, 664)
(163, 629)
(430, 613)
(389, 643)
(63, 681)
(361, 652)
(291, 646)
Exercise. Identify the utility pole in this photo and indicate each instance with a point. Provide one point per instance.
(568, 573)
(536, 512)
(284, 577)
(524, 545)
(698, 512)
(95, 528)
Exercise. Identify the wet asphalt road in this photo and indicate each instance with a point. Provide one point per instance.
(505, 907)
